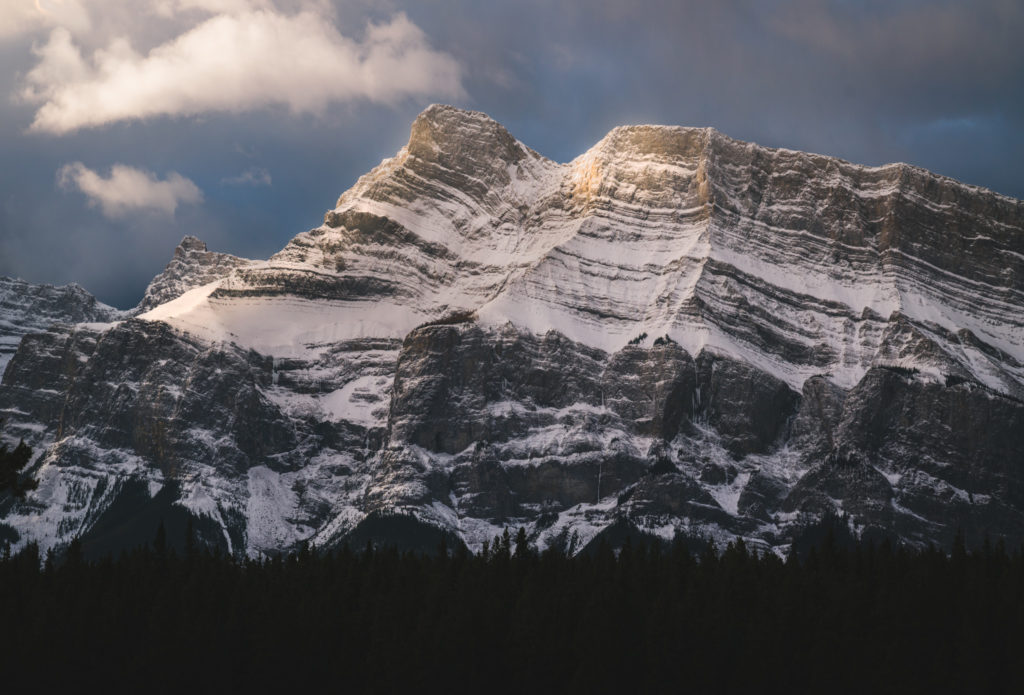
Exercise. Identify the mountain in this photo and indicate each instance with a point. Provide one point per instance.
(676, 332)
(193, 265)
(26, 307)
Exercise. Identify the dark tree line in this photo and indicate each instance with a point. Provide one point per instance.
(841, 617)
(12, 461)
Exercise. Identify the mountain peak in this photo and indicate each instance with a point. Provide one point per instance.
(447, 112)
(190, 243)
(193, 265)
(442, 133)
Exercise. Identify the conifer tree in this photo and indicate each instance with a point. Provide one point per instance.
(522, 547)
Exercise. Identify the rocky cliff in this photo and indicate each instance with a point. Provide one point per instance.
(676, 329)
(193, 265)
(27, 307)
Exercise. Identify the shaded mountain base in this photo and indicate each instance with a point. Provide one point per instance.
(135, 519)
(619, 534)
(401, 532)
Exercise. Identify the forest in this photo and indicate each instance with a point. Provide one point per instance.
(834, 616)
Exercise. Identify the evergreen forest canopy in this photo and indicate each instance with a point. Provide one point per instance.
(837, 616)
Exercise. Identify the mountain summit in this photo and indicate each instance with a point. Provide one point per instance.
(676, 331)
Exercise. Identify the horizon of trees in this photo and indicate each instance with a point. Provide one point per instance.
(838, 616)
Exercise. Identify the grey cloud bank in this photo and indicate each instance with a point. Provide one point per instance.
(305, 96)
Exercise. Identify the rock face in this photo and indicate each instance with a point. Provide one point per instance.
(676, 329)
(32, 308)
(192, 266)
(27, 308)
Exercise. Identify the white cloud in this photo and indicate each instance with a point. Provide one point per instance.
(96, 19)
(234, 62)
(253, 176)
(19, 17)
(171, 7)
(128, 190)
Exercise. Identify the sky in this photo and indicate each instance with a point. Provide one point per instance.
(128, 124)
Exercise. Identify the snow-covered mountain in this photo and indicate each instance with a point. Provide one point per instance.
(27, 307)
(677, 329)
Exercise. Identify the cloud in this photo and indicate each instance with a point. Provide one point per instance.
(945, 41)
(236, 62)
(27, 16)
(253, 176)
(170, 8)
(100, 20)
(128, 190)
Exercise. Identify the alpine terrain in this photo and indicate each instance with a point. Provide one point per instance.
(676, 332)
(26, 307)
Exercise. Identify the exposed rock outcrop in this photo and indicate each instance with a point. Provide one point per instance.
(192, 266)
(27, 307)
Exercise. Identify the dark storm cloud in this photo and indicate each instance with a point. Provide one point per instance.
(856, 79)
(937, 84)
